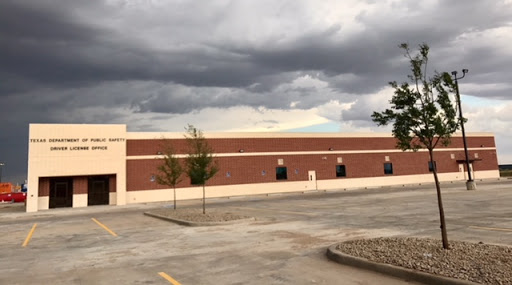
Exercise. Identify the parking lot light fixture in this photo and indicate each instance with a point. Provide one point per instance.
(470, 184)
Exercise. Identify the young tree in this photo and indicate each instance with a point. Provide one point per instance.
(200, 163)
(422, 114)
(170, 171)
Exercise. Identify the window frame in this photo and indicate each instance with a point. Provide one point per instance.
(279, 175)
(430, 168)
(390, 170)
(343, 173)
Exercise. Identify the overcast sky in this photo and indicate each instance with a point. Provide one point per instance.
(240, 65)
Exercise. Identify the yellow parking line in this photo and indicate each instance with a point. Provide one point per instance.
(492, 229)
(29, 236)
(103, 226)
(169, 278)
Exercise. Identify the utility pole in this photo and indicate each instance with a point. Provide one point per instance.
(1, 166)
(470, 184)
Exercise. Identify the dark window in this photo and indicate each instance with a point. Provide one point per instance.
(430, 168)
(388, 168)
(281, 173)
(196, 178)
(340, 171)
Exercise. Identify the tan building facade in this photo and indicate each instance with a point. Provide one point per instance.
(62, 159)
(86, 165)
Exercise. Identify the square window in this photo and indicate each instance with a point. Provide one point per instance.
(197, 177)
(340, 171)
(388, 168)
(430, 168)
(281, 173)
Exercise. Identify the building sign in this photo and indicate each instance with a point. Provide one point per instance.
(76, 144)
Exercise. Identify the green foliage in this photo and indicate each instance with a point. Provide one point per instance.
(171, 170)
(200, 163)
(421, 111)
(422, 114)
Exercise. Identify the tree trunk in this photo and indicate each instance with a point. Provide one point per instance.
(174, 197)
(204, 203)
(439, 201)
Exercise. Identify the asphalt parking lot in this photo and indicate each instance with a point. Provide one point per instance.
(285, 245)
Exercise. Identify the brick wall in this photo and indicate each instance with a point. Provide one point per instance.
(233, 145)
(248, 169)
(112, 184)
(80, 185)
(44, 186)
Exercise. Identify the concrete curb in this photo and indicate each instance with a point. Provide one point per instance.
(396, 271)
(199, 224)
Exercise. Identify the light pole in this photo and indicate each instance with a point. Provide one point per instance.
(470, 184)
(1, 166)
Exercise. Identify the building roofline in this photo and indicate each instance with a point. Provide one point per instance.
(178, 135)
(228, 135)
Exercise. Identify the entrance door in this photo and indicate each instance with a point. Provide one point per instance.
(61, 192)
(312, 179)
(98, 192)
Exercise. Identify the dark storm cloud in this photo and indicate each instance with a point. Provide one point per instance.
(44, 46)
(41, 21)
(180, 99)
(37, 38)
(96, 62)
(52, 48)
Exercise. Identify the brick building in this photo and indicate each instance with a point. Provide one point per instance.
(84, 165)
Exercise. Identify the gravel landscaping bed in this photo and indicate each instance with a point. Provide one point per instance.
(196, 215)
(480, 263)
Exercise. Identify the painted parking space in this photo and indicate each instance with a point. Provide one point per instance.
(104, 227)
(14, 235)
(54, 232)
(29, 236)
(169, 278)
